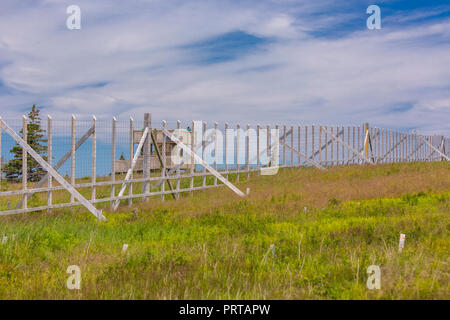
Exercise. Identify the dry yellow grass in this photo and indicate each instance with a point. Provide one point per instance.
(215, 245)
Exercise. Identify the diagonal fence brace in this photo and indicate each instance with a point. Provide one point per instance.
(130, 171)
(58, 165)
(314, 163)
(203, 163)
(53, 172)
(348, 147)
(325, 145)
(434, 148)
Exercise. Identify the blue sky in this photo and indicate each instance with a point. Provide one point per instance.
(293, 62)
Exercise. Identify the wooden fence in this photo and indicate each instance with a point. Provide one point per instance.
(166, 161)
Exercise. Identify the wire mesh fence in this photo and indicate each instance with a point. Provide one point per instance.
(124, 161)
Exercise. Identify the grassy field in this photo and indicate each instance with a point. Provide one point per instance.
(301, 234)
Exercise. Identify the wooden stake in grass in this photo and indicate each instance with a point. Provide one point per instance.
(401, 243)
(124, 248)
(5, 239)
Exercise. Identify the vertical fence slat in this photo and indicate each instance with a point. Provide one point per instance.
(320, 144)
(353, 144)
(49, 158)
(292, 145)
(113, 159)
(72, 171)
(226, 149)
(94, 158)
(306, 141)
(238, 133)
(272, 152)
(284, 145)
(343, 147)
(313, 150)
(258, 160)
(337, 147)
(163, 158)
(130, 157)
(178, 170)
(268, 146)
(24, 161)
(348, 142)
(204, 153)
(147, 156)
(216, 144)
(247, 151)
(331, 148)
(299, 129)
(193, 164)
(1, 158)
(326, 145)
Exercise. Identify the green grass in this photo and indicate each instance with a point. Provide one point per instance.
(216, 246)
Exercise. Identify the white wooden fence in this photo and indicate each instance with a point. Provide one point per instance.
(217, 157)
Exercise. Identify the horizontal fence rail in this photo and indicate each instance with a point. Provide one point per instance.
(91, 162)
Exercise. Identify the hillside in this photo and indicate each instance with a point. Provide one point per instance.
(301, 234)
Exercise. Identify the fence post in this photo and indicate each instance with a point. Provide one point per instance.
(113, 161)
(258, 163)
(384, 145)
(367, 131)
(337, 146)
(1, 158)
(299, 129)
(238, 133)
(216, 128)
(343, 147)
(203, 153)
(353, 144)
(292, 144)
(415, 146)
(226, 149)
(312, 143)
(403, 147)
(247, 150)
(178, 169)
(331, 149)
(268, 149)
(147, 156)
(348, 142)
(320, 145)
(94, 159)
(277, 128)
(193, 164)
(306, 141)
(163, 158)
(391, 144)
(49, 159)
(131, 155)
(284, 145)
(72, 172)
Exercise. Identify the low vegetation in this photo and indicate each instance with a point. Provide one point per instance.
(301, 234)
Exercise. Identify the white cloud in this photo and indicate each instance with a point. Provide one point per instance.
(137, 55)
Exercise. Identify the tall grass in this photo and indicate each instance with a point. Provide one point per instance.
(326, 228)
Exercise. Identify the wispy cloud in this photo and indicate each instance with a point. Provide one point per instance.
(250, 61)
